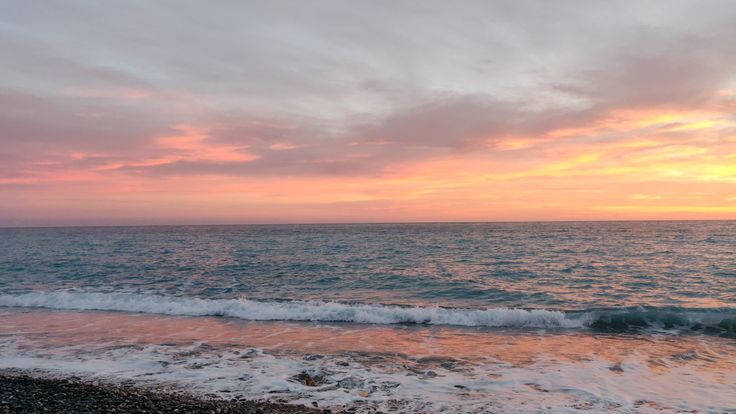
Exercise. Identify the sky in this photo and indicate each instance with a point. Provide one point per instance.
(195, 112)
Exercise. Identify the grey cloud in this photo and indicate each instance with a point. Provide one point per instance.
(76, 124)
(357, 87)
(453, 124)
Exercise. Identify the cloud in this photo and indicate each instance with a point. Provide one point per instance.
(145, 93)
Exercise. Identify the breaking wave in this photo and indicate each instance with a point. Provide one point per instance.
(710, 321)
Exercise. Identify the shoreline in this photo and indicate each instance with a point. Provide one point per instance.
(26, 392)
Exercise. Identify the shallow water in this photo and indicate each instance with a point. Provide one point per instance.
(404, 368)
(626, 317)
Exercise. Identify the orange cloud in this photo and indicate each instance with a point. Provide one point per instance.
(193, 144)
(629, 164)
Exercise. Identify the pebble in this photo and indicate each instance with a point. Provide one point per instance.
(20, 393)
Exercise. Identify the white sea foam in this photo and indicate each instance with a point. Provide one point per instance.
(291, 310)
(551, 384)
(717, 320)
(424, 370)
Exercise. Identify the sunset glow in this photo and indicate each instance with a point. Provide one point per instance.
(308, 119)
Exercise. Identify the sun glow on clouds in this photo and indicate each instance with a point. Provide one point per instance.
(191, 144)
(642, 165)
(306, 120)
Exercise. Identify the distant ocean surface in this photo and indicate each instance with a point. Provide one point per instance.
(476, 317)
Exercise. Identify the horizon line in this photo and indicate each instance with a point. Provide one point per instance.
(327, 223)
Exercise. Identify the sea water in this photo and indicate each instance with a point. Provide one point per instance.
(476, 317)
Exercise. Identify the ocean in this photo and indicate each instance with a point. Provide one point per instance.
(463, 317)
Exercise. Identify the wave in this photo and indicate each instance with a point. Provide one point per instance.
(710, 321)
(289, 310)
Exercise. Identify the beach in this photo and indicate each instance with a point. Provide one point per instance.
(28, 393)
(417, 206)
(367, 368)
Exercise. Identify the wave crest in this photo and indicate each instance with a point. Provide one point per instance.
(720, 322)
(291, 310)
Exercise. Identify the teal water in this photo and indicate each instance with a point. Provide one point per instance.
(671, 273)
